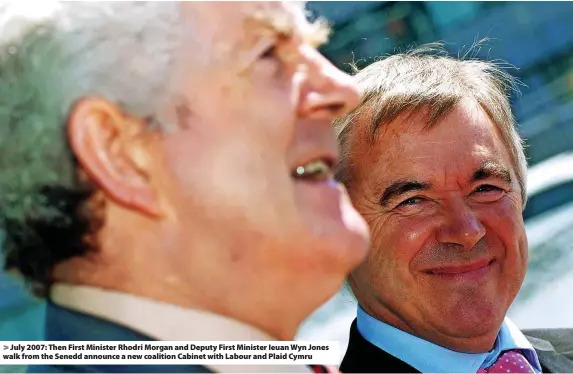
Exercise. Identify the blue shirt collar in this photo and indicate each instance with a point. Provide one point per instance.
(428, 357)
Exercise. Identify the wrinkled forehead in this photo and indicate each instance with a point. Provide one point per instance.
(237, 25)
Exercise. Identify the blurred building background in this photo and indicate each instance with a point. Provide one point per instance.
(537, 38)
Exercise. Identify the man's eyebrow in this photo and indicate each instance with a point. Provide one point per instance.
(401, 187)
(489, 170)
(278, 24)
(281, 25)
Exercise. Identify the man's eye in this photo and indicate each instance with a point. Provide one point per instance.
(411, 201)
(487, 188)
(269, 53)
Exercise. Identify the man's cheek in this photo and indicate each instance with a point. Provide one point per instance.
(413, 236)
(392, 257)
(503, 217)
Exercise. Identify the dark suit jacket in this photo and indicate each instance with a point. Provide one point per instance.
(554, 348)
(64, 324)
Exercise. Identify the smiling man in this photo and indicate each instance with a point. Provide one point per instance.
(432, 160)
(164, 177)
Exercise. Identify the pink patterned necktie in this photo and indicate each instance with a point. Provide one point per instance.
(509, 362)
(324, 369)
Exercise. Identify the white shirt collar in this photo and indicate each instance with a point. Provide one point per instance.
(162, 321)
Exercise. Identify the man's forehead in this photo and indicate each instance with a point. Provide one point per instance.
(239, 17)
(407, 143)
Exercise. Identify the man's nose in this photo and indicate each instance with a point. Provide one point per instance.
(327, 91)
(461, 226)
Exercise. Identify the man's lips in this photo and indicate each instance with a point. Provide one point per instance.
(461, 268)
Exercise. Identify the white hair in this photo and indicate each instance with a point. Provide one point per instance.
(54, 53)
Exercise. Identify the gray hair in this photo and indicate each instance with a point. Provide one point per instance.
(427, 79)
(51, 55)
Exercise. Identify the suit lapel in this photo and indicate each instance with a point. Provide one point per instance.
(364, 357)
(554, 348)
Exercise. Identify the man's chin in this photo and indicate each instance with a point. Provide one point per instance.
(334, 225)
(472, 322)
(355, 223)
(345, 248)
(358, 228)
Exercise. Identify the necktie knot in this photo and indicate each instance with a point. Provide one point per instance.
(509, 362)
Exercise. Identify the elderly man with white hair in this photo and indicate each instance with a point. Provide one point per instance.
(165, 170)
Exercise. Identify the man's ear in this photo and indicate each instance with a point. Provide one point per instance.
(104, 141)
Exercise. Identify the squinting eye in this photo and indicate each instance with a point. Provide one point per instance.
(487, 188)
(270, 52)
(410, 201)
